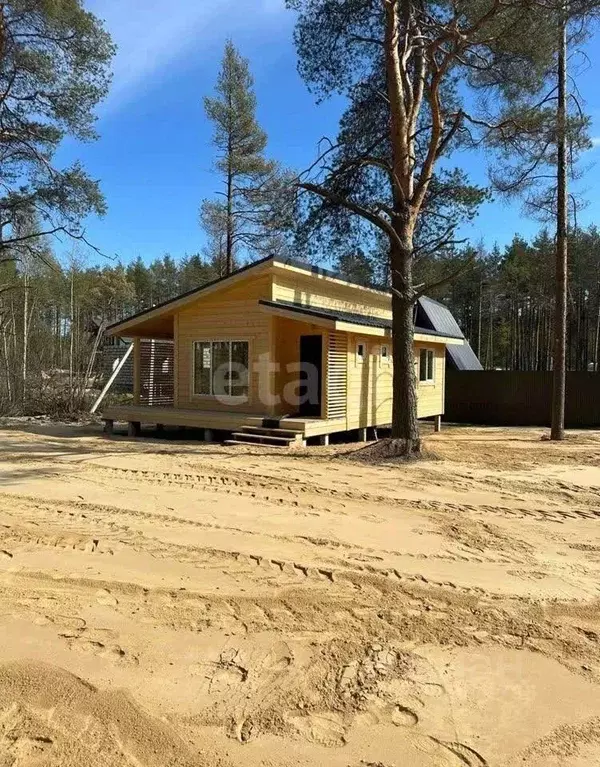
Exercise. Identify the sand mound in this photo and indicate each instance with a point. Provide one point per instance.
(51, 717)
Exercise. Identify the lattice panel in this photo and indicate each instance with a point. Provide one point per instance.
(156, 372)
(337, 375)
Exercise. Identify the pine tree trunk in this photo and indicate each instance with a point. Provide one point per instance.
(405, 427)
(479, 324)
(229, 245)
(560, 308)
(25, 339)
(72, 341)
(490, 356)
(597, 333)
(7, 362)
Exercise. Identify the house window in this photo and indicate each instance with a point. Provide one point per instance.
(385, 353)
(426, 366)
(221, 368)
(360, 352)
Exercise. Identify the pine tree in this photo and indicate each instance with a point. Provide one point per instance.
(213, 217)
(54, 69)
(248, 214)
(405, 69)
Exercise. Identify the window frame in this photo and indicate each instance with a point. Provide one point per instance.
(427, 381)
(384, 358)
(359, 359)
(233, 398)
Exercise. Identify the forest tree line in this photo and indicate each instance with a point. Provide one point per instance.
(53, 316)
(504, 303)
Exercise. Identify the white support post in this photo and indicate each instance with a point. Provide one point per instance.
(437, 424)
(362, 435)
(324, 439)
(111, 380)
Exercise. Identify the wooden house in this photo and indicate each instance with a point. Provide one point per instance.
(278, 352)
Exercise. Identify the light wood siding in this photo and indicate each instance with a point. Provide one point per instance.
(337, 375)
(176, 357)
(370, 390)
(357, 395)
(231, 314)
(312, 291)
(431, 395)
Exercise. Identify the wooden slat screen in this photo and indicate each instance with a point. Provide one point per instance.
(337, 375)
(156, 372)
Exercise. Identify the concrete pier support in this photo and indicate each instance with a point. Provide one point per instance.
(109, 426)
(324, 439)
(362, 435)
(208, 435)
(437, 423)
(134, 428)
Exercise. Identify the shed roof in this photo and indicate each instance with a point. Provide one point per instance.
(437, 316)
(463, 357)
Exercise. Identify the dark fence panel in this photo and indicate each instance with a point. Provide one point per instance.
(516, 398)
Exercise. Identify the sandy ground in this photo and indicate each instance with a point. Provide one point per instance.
(171, 603)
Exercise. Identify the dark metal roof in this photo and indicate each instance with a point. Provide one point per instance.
(434, 315)
(356, 319)
(463, 357)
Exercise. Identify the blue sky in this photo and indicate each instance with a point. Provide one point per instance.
(154, 154)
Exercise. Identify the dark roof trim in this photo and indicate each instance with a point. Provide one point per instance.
(356, 319)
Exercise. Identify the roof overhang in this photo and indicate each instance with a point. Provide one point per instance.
(138, 324)
(430, 338)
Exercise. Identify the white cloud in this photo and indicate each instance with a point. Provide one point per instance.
(596, 141)
(153, 34)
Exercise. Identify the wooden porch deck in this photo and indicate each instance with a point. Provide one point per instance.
(218, 420)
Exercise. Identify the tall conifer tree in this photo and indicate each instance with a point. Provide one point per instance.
(406, 67)
(250, 180)
(54, 69)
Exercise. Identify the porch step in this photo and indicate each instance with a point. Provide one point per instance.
(262, 439)
(271, 430)
(258, 435)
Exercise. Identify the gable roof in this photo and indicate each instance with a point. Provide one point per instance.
(463, 357)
